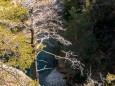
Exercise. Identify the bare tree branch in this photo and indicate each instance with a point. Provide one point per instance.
(69, 56)
(43, 61)
(45, 68)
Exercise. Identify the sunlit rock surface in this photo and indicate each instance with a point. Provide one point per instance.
(10, 76)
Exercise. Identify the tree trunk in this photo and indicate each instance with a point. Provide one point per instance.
(32, 38)
(34, 65)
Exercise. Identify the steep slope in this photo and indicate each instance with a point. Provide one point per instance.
(10, 76)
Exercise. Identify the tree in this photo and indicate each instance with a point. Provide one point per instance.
(77, 19)
(15, 48)
(43, 27)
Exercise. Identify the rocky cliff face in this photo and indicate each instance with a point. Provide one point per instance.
(10, 76)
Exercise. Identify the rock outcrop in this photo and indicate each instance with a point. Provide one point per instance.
(10, 76)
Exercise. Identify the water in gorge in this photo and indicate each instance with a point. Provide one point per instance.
(45, 60)
(49, 77)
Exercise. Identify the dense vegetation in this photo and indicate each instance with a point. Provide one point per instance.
(91, 29)
(79, 24)
(15, 49)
